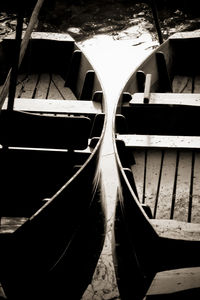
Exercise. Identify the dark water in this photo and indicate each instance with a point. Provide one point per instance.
(84, 19)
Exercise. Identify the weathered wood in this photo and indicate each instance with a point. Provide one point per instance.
(183, 187)
(177, 229)
(53, 92)
(11, 224)
(160, 141)
(65, 92)
(182, 84)
(174, 281)
(147, 88)
(29, 86)
(20, 84)
(57, 107)
(152, 177)
(166, 185)
(42, 87)
(168, 98)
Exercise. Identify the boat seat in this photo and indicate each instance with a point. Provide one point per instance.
(175, 284)
(160, 141)
(57, 107)
(11, 224)
(20, 129)
(167, 99)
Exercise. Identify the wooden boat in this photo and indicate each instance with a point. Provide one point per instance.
(52, 206)
(156, 237)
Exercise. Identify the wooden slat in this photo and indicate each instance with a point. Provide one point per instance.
(195, 218)
(66, 92)
(177, 229)
(197, 84)
(10, 224)
(43, 86)
(183, 187)
(138, 171)
(168, 99)
(54, 92)
(160, 141)
(182, 84)
(174, 281)
(19, 88)
(29, 86)
(59, 106)
(166, 185)
(152, 177)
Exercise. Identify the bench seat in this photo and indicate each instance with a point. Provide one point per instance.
(57, 106)
(160, 141)
(167, 99)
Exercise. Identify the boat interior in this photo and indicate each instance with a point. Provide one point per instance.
(160, 128)
(158, 149)
(54, 127)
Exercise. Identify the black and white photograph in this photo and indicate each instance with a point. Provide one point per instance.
(99, 150)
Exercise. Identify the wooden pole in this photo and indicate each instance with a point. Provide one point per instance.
(156, 20)
(24, 44)
(14, 70)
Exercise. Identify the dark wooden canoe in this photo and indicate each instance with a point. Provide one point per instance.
(156, 238)
(52, 206)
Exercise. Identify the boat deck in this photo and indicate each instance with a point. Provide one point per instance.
(167, 167)
(43, 86)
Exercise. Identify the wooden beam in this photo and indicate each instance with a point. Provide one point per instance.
(160, 141)
(57, 106)
(167, 98)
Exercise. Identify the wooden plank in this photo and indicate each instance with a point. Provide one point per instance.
(160, 141)
(30, 86)
(43, 86)
(65, 92)
(185, 35)
(195, 218)
(175, 281)
(152, 177)
(182, 84)
(177, 229)
(10, 224)
(183, 186)
(56, 107)
(168, 99)
(54, 92)
(138, 171)
(166, 185)
(20, 85)
(197, 84)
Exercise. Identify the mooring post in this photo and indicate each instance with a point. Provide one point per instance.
(156, 20)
